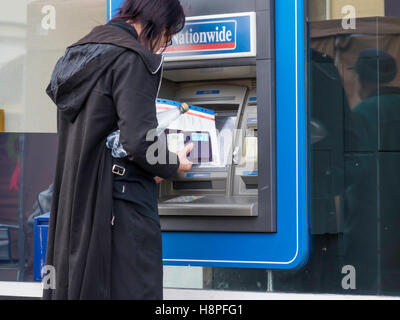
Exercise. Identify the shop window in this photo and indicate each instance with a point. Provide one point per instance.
(33, 36)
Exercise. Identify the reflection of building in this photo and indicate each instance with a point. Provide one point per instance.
(73, 19)
(370, 182)
(332, 9)
(28, 54)
(344, 45)
(12, 52)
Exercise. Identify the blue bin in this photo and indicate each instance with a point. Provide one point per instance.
(40, 230)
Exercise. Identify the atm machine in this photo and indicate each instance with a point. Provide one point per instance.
(232, 190)
(209, 188)
(223, 213)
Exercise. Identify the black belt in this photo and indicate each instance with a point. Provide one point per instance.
(118, 170)
(123, 167)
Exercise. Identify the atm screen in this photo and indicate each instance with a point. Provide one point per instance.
(225, 124)
(213, 146)
(202, 151)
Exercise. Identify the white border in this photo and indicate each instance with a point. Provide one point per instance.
(21, 289)
(196, 294)
(297, 177)
(35, 290)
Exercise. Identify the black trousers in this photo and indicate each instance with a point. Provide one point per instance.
(136, 266)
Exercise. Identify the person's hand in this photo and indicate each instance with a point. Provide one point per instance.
(158, 180)
(184, 163)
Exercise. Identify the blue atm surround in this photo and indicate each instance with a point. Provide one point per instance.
(287, 248)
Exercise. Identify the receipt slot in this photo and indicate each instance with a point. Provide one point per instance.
(239, 65)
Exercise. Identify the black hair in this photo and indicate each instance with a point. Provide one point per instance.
(155, 17)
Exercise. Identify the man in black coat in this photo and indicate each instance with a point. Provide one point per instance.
(104, 82)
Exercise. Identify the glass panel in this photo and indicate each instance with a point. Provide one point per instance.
(354, 99)
(33, 36)
(353, 102)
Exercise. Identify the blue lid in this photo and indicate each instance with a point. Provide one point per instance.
(44, 216)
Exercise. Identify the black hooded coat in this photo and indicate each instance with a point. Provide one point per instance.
(104, 82)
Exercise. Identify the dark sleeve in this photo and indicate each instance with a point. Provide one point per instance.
(134, 91)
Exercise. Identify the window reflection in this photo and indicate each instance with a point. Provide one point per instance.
(354, 112)
(354, 159)
(354, 94)
(372, 224)
(33, 36)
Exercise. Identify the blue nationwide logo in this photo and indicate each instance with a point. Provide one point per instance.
(205, 36)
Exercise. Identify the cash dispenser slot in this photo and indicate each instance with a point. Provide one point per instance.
(245, 181)
(210, 205)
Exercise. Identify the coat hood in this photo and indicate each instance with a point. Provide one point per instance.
(84, 62)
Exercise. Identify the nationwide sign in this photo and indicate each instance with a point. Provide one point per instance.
(207, 36)
(213, 37)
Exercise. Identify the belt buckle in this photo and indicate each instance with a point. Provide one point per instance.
(118, 170)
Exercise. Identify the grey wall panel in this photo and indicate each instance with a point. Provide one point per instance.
(266, 141)
(265, 34)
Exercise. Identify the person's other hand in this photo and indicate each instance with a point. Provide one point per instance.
(185, 165)
(158, 180)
